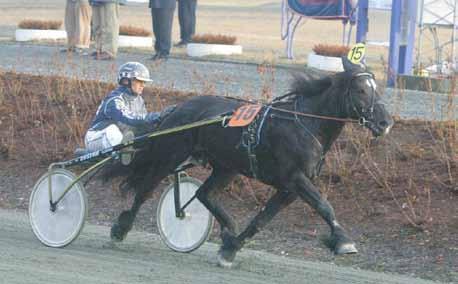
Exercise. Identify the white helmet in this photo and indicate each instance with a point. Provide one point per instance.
(133, 70)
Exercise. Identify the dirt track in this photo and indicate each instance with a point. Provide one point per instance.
(142, 258)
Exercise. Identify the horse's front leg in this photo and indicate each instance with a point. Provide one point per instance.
(341, 243)
(275, 204)
(232, 244)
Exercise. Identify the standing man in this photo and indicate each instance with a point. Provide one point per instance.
(78, 25)
(105, 18)
(162, 18)
(187, 19)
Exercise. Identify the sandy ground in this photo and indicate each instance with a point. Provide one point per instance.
(142, 258)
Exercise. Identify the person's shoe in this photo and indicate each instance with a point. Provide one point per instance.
(127, 154)
(81, 151)
(163, 57)
(181, 43)
(67, 50)
(154, 57)
(160, 56)
(81, 51)
(104, 56)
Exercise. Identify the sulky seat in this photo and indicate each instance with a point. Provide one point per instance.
(293, 11)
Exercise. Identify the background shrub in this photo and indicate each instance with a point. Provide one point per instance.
(40, 24)
(214, 39)
(133, 31)
(331, 50)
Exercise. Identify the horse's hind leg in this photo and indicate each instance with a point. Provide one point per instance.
(126, 219)
(153, 176)
(340, 241)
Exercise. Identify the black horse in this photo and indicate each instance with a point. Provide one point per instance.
(285, 149)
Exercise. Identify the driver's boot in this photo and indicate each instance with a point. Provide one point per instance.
(127, 154)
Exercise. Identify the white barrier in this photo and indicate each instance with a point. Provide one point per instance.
(28, 34)
(203, 49)
(135, 41)
(326, 63)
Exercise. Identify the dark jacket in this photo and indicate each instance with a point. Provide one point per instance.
(169, 4)
(122, 108)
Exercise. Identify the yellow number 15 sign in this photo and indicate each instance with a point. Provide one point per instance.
(356, 54)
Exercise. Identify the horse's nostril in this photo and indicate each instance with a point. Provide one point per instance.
(383, 124)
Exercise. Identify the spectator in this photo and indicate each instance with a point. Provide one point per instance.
(162, 18)
(105, 18)
(187, 20)
(78, 26)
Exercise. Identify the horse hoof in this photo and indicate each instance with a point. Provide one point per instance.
(225, 257)
(347, 248)
(116, 234)
(222, 261)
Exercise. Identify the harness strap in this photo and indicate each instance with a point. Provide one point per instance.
(252, 159)
(251, 138)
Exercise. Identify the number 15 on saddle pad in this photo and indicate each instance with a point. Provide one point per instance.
(244, 115)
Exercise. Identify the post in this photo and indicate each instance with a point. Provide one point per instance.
(362, 21)
(411, 25)
(393, 57)
(402, 38)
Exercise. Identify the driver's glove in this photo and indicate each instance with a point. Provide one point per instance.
(153, 118)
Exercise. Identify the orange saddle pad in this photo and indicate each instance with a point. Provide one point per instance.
(244, 115)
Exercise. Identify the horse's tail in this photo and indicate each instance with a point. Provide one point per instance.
(128, 176)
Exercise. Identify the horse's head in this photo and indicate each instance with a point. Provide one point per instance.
(363, 100)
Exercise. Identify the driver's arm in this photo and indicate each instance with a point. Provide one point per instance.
(117, 110)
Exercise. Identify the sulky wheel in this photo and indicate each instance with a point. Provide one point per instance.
(187, 233)
(60, 227)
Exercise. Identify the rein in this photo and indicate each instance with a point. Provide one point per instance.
(317, 116)
(295, 112)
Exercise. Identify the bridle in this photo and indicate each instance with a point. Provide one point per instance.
(366, 115)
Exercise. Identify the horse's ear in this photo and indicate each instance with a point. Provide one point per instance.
(347, 64)
(350, 66)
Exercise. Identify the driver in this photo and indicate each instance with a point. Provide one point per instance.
(121, 111)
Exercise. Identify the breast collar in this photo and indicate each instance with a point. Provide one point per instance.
(251, 138)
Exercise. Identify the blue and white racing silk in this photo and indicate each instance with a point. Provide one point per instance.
(123, 109)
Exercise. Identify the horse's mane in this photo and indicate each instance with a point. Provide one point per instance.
(307, 86)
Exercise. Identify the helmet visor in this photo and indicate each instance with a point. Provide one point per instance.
(144, 79)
